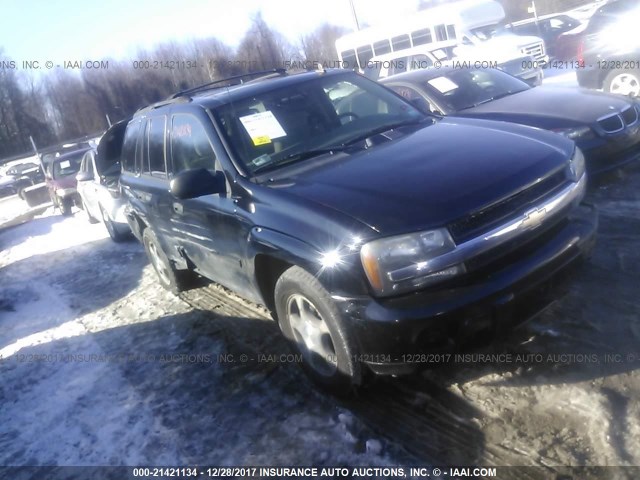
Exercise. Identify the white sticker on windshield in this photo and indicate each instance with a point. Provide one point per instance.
(262, 127)
(65, 164)
(443, 84)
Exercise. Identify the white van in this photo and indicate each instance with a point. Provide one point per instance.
(471, 23)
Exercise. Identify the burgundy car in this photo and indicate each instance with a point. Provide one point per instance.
(61, 180)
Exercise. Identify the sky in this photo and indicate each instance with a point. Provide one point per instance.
(59, 30)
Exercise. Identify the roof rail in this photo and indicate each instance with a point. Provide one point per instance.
(206, 86)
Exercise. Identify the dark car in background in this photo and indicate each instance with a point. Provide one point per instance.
(606, 127)
(548, 27)
(18, 177)
(610, 49)
(61, 181)
(374, 232)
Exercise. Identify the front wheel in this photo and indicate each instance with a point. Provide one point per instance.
(311, 321)
(623, 82)
(65, 206)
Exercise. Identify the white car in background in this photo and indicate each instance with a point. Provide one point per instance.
(99, 189)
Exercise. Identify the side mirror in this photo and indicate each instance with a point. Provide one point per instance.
(197, 183)
(84, 176)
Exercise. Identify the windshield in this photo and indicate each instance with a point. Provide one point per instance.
(465, 88)
(287, 124)
(489, 31)
(66, 166)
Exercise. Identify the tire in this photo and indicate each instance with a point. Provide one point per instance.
(116, 235)
(310, 320)
(65, 206)
(21, 194)
(171, 279)
(89, 216)
(624, 82)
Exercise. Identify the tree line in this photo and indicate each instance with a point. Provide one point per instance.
(63, 104)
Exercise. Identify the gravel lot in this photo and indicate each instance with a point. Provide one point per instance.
(100, 366)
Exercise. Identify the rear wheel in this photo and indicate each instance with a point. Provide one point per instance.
(312, 323)
(171, 279)
(115, 234)
(623, 82)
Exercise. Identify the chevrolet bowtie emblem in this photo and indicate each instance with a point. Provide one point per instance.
(533, 218)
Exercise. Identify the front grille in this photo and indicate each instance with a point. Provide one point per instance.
(630, 116)
(518, 248)
(611, 124)
(535, 50)
(490, 217)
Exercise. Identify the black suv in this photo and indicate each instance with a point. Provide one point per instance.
(373, 231)
(610, 51)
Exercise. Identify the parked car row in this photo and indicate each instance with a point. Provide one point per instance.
(606, 127)
(604, 46)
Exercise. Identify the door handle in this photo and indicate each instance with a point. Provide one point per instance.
(177, 207)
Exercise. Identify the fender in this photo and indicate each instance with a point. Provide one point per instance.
(349, 282)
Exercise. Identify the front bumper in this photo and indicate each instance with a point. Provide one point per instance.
(390, 332)
(617, 151)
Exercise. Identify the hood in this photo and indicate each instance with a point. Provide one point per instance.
(508, 40)
(432, 176)
(110, 148)
(550, 107)
(63, 182)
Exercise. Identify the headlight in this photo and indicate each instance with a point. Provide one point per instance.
(63, 192)
(401, 264)
(576, 165)
(578, 133)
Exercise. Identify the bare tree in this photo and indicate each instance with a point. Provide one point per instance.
(320, 45)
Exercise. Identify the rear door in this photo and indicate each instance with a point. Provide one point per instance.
(145, 182)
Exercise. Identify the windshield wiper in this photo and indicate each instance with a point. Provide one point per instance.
(386, 128)
(495, 97)
(296, 157)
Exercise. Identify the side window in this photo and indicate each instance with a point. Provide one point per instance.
(155, 164)
(140, 147)
(129, 146)
(190, 147)
(421, 37)
(451, 32)
(401, 42)
(441, 32)
(349, 59)
(364, 55)
(88, 159)
(381, 47)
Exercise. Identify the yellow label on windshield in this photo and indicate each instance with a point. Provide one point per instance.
(261, 140)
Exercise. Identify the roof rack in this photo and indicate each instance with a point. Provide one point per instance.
(210, 85)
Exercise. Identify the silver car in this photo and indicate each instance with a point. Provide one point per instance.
(98, 186)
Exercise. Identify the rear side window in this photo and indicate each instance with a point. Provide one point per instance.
(154, 161)
(130, 142)
(190, 146)
(87, 164)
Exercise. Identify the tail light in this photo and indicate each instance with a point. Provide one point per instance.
(580, 53)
